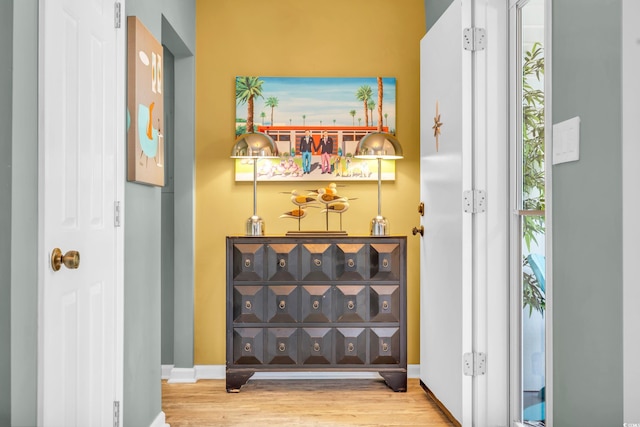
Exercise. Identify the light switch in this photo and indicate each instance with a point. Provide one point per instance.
(566, 141)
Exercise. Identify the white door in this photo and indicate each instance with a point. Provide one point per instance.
(464, 255)
(81, 100)
(445, 288)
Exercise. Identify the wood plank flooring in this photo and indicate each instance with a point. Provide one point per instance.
(299, 403)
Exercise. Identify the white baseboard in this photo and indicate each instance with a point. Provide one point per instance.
(211, 372)
(166, 371)
(178, 375)
(413, 371)
(160, 421)
(218, 372)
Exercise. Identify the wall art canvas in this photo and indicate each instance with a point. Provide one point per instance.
(145, 112)
(316, 123)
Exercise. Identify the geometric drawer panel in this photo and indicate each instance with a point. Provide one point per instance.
(384, 345)
(282, 262)
(316, 346)
(248, 346)
(248, 304)
(248, 262)
(282, 346)
(351, 263)
(351, 303)
(384, 303)
(351, 346)
(316, 262)
(385, 261)
(316, 303)
(282, 304)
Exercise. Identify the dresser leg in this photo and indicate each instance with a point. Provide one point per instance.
(397, 381)
(236, 379)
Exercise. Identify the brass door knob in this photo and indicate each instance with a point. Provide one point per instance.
(71, 259)
(417, 230)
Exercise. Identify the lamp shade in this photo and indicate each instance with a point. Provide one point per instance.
(252, 145)
(379, 145)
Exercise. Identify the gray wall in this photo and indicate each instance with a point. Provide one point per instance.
(587, 217)
(168, 217)
(434, 9)
(24, 214)
(6, 53)
(142, 346)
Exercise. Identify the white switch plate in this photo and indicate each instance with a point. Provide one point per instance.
(566, 141)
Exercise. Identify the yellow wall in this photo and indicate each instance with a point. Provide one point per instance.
(297, 38)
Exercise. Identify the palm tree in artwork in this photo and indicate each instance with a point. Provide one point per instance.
(380, 95)
(272, 102)
(359, 120)
(386, 121)
(262, 116)
(364, 94)
(304, 116)
(247, 89)
(353, 116)
(371, 105)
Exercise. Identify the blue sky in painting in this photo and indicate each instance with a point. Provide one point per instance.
(321, 99)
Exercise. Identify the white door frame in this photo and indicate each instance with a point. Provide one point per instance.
(120, 170)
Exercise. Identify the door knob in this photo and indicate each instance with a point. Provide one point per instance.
(421, 209)
(417, 230)
(71, 259)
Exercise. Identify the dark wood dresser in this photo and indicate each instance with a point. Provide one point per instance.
(316, 303)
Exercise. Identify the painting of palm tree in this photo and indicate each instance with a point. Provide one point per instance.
(363, 94)
(271, 102)
(247, 89)
(371, 105)
(344, 107)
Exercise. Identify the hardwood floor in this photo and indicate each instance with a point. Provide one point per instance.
(299, 403)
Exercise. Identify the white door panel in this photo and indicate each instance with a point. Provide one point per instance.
(444, 323)
(463, 281)
(79, 342)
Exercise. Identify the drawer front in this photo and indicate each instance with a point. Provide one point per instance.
(351, 346)
(248, 304)
(385, 261)
(248, 261)
(282, 304)
(282, 346)
(351, 303)
(248, 346)
(384, 345)
(384, 303)
(317, 303)
(316, 347)
(316, 261)
(351, 261)
(283, 262)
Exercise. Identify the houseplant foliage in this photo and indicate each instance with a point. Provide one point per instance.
(533, 183)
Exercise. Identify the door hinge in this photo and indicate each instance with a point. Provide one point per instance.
(474, 364)
(116, 14)
(474, 39)
(475, 201)
(116, 413)
(116, 214)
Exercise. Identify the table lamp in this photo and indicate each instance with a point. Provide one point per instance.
(379, 146)
(254, 145)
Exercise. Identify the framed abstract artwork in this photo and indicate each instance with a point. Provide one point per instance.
(145, 109)
(316, 123)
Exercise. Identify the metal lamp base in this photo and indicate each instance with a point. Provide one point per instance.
(379, 226)
(255, 226)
